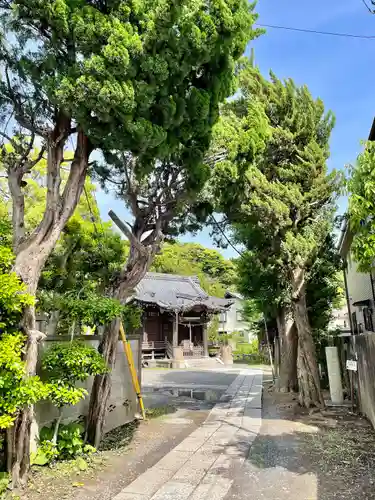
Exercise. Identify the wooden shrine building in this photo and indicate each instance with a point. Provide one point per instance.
(176, 312)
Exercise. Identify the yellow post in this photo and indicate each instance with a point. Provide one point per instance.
(133, 373)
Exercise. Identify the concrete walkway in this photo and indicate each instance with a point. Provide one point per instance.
(203, 466)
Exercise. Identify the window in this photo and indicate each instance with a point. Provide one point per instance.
(367, 316)
(239, 316)
(223, 317)
(355, 324)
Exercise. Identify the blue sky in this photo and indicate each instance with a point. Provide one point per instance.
(338, 70)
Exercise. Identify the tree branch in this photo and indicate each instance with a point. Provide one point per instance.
(127, 232)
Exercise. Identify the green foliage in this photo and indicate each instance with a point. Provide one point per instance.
(143, 77)
(248, 347)
(4, 481)
(79, 272)
(361, 186)
(16, 389)
(70, 444)
(85, 257)
(46, 452)
(70, 362)
(61, 394)
(215, 273)
(13, 296)
(213, 329)
(325, 287)
(271, 182)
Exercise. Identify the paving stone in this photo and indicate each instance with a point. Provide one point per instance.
(212, 448)
(130, 496)
(252, 412)
(190, 444)
(212, 491)
(174, 460)
(174, 491)
(226, 466)
(195, 468)
(203, 433)
(149, 482)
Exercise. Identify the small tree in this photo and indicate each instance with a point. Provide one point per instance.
(18, 390)
(64, 365)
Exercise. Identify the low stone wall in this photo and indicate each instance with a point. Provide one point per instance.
(123, 403)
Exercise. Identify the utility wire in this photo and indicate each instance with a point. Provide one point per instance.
(226, 237)
(93, 218)
(316, 32)
(367, 7)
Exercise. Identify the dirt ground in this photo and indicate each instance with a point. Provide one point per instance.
(308, 456)
(128, 452)
(298, 455)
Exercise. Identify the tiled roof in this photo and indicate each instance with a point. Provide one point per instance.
(178, 293)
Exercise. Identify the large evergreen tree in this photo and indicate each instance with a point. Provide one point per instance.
(274, 189)
(144, 77)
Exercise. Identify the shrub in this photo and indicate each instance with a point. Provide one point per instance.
(16, 389)
(64, 365)
(70, 444)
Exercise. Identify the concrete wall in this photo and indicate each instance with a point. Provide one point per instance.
(123, 401)
(359, 288)
(233, 321)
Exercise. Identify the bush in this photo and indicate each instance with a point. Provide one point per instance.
(70, 444)
(64, 365)
(248, 347)
(16, 389)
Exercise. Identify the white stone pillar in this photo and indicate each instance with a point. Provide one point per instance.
(334, 375)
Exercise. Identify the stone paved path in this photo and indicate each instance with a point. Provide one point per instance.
(203, 466)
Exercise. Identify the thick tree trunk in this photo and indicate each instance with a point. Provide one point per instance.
(31, 255)
(101, 388)
(18, 445)
(286, 326)
(136, 267)
(308, 373)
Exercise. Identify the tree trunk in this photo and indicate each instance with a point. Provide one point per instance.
(308, 373)
(31, 255)
(135, 269)
(286, 326)
(101, 388)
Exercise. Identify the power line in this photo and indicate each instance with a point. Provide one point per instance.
(93, 218)
(316, 32)
(226, 237)
(367, 7)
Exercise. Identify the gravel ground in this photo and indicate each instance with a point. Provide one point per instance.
(298, 456)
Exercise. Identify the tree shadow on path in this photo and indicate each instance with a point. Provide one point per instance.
(298, 456)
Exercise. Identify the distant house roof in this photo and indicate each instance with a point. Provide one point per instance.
(233, 295)
(177, 293)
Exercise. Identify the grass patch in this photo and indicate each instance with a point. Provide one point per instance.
(159, 411)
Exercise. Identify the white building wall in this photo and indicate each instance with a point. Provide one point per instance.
(359, 288)
(233, 319)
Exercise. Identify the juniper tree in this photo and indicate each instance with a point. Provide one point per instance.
(273, 187)
(106, 75)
